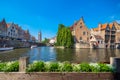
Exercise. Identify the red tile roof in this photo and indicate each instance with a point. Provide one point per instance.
(8, 25)
(103, 27)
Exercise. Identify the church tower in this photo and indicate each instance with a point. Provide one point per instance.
(39, 37)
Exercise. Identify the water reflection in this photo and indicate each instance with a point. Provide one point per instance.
(53, 54)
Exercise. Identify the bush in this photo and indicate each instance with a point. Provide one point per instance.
(104, 68)
(2, 65)
(76, 68)
(37, 66)
(11, 66)
(85, 67)
(52, 67)
(67, 67)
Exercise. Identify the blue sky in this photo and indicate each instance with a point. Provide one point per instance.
(45, 15)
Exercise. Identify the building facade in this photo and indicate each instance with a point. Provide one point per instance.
(80, 32)
(110, 34)
(12, 30)
(3, 28)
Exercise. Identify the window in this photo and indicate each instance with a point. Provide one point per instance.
(80, 26)
(80, 38)
(84, 33)
(101, 42)
(98, 42)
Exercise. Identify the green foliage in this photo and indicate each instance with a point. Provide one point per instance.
(64, 36)
(52, 67)
(11, 66)
(85, 67)
(104, 68)
(76, 68)
(45, 41)
(2, 65)
(67, 67)
(37, 66)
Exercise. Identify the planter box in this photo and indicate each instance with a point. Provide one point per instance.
(56, 76)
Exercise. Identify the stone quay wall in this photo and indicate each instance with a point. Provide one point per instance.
(14, 43)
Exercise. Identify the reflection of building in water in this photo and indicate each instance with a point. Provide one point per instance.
(101, 55)
(81, 55)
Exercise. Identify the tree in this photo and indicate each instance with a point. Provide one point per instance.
(45, 41)
(64, 36)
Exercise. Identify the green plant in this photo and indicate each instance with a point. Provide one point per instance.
(104, 68)
(36, 66)
(67, 67)
(11, 66)
(2, 65)
(76, 68)
(53, 67)
(85, 67)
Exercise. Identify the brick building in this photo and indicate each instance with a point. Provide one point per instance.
(80, 32)
(3, 28)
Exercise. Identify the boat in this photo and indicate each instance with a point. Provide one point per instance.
(33, 46)
(6, 48)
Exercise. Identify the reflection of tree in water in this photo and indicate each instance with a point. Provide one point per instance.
(64, 55)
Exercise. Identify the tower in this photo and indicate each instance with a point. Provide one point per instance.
(39, 36)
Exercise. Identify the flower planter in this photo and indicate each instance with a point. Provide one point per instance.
(56, 76)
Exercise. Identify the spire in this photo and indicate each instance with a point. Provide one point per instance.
(3, 21)
(82, 19)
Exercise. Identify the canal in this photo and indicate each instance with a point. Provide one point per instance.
(55, 54)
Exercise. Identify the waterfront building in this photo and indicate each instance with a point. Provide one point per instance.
(80, 31)
(110, 34)
(96, 41)
(20, 32)
(39, 37)
(52, 41)
(26, 35)
(12, 31)
(81, 34)
(3, 28)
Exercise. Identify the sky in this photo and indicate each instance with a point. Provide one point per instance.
(45, 15)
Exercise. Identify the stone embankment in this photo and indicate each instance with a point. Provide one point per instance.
(14, 43)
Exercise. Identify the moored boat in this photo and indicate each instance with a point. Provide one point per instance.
(33, 46)
(6, 48)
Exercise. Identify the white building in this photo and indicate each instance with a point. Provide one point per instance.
(52, 41)
(12, 31)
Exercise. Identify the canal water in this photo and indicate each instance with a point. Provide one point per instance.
(55, 54)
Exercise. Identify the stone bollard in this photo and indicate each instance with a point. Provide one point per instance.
(115, 62)
(23, 62)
